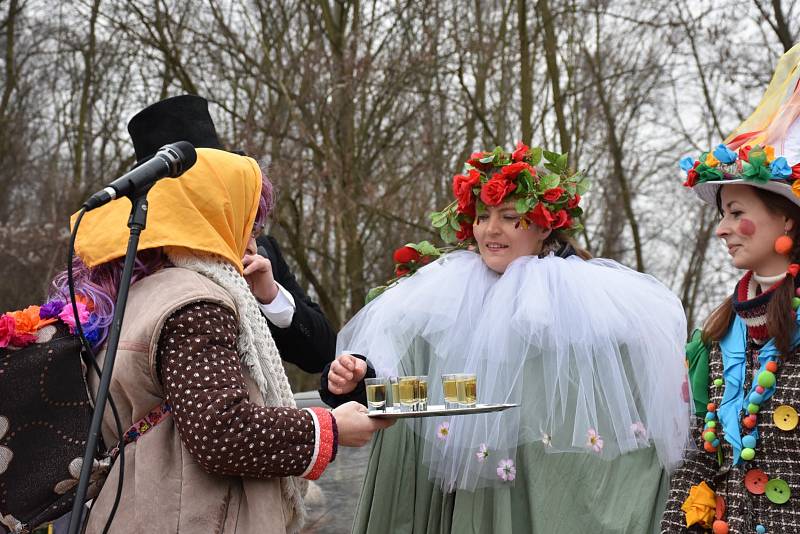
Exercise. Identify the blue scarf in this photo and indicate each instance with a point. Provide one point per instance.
(734, 399)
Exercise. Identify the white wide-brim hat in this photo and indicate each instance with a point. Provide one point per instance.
(707, 191)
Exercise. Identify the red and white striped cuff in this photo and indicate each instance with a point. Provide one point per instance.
(323, 443)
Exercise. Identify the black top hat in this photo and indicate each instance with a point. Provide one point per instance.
(180, 118)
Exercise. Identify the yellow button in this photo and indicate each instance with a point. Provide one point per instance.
(785, 417)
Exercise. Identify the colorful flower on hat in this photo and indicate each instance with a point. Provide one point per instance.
(752, 163)
(539, 183)
(780, 169)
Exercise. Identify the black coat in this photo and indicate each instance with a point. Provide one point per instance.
(309, 342)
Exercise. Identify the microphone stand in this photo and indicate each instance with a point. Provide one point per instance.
(136, 223)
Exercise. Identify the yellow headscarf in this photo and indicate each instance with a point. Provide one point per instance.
(211, 208)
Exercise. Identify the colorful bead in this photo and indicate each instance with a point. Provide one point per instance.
(795, 303)
(756, 397)
(718, 382)
(748, 454)
(753, 408)
(710, 416)
(709, 436)
(749, 442)
(760, 389)
(715, 443)
(760, 529)
(711, 424)
(711, 407)
(720, 527)
(750, 421)
(709, 447)
(766, 379)
(771, 366)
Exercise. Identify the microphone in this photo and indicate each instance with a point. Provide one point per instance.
(170, 161)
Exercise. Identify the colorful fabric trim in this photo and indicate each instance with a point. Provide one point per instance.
(752, 306)
(323, 443)
(143, 425)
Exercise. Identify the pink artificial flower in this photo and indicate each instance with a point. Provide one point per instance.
(443, 430)
(639, 430)
(68, 317)
(483, 453)
(506, 470)
(595, 442)
(8, 326)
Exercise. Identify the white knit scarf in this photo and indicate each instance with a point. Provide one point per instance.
(258, 352)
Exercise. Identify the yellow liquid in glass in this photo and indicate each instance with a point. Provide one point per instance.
(409, 390)
(376, 396)
(467, 389)
(450, 388)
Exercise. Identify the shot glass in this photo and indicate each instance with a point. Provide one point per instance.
(408, 389)
(450, 390)
(422, 396)
(376, 393)
(394, 384)
(467, 390)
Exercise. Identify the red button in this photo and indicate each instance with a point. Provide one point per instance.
(720, 508)
(755, 480)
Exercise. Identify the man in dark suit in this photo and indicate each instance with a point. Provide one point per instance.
(302, 334)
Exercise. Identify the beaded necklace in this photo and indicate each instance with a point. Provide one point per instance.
(751, 312)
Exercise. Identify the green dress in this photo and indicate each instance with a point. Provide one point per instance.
(553, 493)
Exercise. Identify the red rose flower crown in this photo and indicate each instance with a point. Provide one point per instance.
(547, 196)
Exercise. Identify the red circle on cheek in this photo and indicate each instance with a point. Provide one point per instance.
(747, 227)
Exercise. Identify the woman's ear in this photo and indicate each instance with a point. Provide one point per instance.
(788, 224)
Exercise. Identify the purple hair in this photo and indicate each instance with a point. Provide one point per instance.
(267, 200)
(100, 284)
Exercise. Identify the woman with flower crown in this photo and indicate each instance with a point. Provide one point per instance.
(743, 473)
(589, 349)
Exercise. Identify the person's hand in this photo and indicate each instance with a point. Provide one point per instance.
(355, 427)
(258, 273)
(345, 373)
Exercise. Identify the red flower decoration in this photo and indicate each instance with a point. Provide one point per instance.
(402, 271)
(552, 195)
(562, 219)
(574, 201)
(743, 153)
(521, 152)
(495, 190)
(691, 176)
(796, 171)
(462, 188)
(405, 255)
(474, 160)
(465, 232)
(510, 172)
(541, 216)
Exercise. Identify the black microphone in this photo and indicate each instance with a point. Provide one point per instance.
(170, 161)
